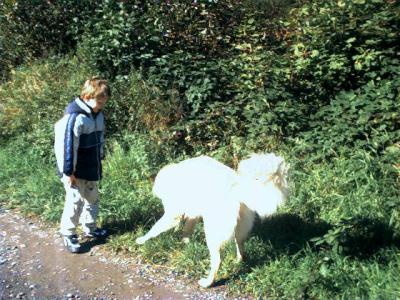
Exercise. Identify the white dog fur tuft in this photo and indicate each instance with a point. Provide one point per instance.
(226, 200)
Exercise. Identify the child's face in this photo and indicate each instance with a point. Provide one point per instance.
(97, 103)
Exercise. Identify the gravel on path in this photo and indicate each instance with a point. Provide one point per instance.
(35, 265)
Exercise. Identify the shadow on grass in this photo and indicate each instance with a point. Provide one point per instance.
(289, 233)
(358, 237)
(116, 227)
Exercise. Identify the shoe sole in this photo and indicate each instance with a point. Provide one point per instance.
(72, 250)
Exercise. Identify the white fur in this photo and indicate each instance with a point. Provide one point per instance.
(226, 200)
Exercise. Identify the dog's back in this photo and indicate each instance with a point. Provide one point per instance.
(195, 186)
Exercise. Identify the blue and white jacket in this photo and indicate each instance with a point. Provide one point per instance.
(79, 141)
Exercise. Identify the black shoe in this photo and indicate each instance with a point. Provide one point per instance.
(71, 242)
(97, 233)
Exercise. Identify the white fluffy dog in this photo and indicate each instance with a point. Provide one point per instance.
(226, 200)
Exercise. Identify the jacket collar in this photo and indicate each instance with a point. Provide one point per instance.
(86, 108)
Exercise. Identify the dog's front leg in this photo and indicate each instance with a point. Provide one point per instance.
(242, 229)
(188, 228)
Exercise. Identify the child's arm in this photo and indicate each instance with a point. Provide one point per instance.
(71, 144)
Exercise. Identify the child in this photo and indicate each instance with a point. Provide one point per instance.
(79, 142)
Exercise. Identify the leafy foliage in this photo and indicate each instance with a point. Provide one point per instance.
(35, 29)
(367, 118)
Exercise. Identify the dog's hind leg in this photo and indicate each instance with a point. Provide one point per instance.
(188, 228)
(239, 249)
(239, 241)
(166, 222)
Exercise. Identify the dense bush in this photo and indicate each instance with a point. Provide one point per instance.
(35, 29)
(121, 35)
(258, 77)
(366, 118)
(332, 50)
(228, 69)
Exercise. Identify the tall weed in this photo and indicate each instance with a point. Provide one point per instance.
(129, 169)
(354, 183)
(37, 93)
(28, 180)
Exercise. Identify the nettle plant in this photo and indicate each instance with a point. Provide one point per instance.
(121, 35)
(366, 118)
(342, 45)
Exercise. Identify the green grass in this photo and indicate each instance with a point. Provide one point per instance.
(323, 275)
(28, 182)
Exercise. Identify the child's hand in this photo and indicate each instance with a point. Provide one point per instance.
(71, 180)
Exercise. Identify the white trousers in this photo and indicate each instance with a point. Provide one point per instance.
(81, 206)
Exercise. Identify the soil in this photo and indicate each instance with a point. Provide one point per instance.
(35, 265)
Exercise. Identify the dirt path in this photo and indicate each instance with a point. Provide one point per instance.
(35, 265)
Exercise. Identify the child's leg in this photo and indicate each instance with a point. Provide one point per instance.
(72, 210)
(90, 194)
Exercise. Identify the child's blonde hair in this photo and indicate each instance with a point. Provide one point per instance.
(94, 88)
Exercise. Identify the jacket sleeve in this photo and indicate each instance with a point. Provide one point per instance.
(102, 148)
(71, 143)
(102, 151)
